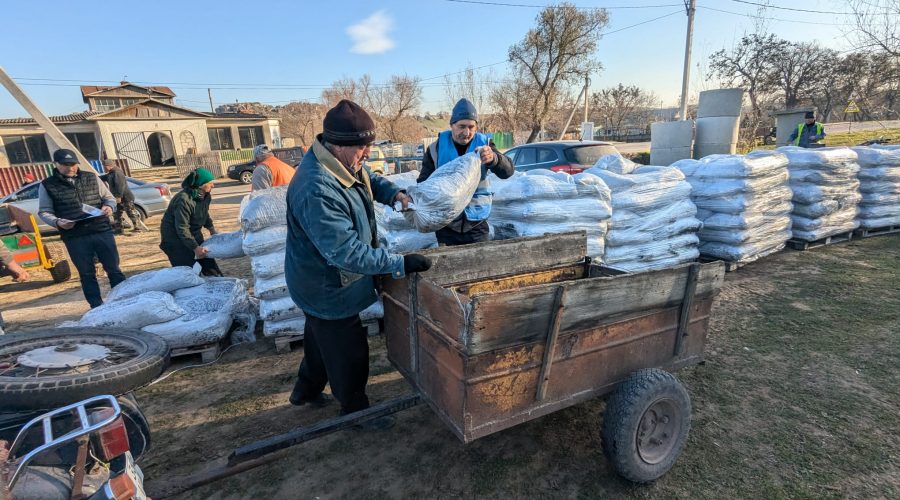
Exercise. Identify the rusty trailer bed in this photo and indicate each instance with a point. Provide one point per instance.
(499, 333)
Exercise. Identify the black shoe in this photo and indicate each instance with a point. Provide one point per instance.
(376, 424)
(319, 401)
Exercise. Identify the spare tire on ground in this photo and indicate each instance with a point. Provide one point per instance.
(52, 368)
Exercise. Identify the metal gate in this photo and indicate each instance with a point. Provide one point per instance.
(132, 147)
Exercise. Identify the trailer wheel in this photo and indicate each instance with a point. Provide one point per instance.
(61, 271)
(646, 425)
(58, 366)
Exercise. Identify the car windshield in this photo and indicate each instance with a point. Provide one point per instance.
(588, 155)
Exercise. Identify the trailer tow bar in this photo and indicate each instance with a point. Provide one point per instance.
(273, 448)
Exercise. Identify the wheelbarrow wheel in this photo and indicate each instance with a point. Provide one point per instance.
(61, 271)
(646, 425)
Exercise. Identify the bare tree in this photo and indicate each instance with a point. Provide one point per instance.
(475, 86)
(388, 103)
(557, 53)
(750, 65)
(876, 25)
(798, 67)
(512, 101)
(622, 105)
(302, 121)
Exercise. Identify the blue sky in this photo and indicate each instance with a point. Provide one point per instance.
(278, 51)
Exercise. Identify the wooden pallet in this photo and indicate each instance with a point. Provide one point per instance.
(808, 245)
(208, 352)
(729, 266)
(878, 231)
(283, 342)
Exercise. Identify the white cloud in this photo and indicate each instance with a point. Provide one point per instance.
(370, 36)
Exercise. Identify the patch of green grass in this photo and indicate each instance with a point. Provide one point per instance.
(853, 138)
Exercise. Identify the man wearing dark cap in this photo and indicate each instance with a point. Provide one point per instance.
(332, 257)
(808, 133)
(64, 198)
(463, 137)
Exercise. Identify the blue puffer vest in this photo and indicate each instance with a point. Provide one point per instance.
(479, 207)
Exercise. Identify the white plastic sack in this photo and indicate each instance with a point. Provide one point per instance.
(817, 157)
(758, 232)
(265, 240)
(267, 207)
(445, 194)
(267, 265)
(672, 248)
(134, 312)
(290, 326)
(404, 180)
(224, 245)
(192, 330)
(557, 211)
(747, 252)
(726, 166)
(658, 232)
(826, 207)
(375, 311)
(405, 241)
(278, 309)
(218, 294)
(616, 163)
(274, 287)
(160, 280)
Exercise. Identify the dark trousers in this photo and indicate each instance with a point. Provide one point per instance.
(478, 233)
(180, 255)
(82, 250)
(335, 352)
(126, 207)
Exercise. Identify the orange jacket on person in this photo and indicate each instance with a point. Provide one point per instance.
(282, 173)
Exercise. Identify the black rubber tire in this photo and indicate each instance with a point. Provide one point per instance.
(54, 391)
(625, 409)
(61, 271)
(246, 177)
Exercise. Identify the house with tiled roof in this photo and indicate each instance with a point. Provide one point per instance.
(141, 124)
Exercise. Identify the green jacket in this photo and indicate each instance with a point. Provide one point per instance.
(184, 219)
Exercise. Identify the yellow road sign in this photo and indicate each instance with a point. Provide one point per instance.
(851, 107)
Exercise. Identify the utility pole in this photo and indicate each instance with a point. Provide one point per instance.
(211, 108)
(575, 108)
(587, 84)
(686, 77)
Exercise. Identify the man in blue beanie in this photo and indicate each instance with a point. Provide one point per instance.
(463, 137)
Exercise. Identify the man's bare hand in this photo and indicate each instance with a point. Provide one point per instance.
(200, 252)
(404, 200)
(106, 210)
(65, 223)
(487, 155)
(19, 273)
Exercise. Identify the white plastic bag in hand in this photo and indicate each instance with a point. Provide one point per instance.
(445, 194)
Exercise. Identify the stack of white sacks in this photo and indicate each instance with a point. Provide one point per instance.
(744, 203)
(176, 304)
(653, 224)
(879, 183)
(540, 201)
(395, 232)
(264, 225)
(826, 191)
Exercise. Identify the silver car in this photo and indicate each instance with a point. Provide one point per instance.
(150, 198)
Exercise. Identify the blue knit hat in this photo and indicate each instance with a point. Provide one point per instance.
(464, 110)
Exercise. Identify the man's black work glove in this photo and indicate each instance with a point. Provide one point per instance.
(415, 263)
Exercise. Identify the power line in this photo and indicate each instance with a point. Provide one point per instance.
(505, 4)
(793, 8)
(644, 22)
(744, 14)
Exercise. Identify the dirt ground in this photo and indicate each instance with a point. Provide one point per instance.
(798, 398)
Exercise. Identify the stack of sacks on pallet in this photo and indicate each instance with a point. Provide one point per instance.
(744, 203)
(395, 232)
(264, 223)
(879, 182)
(826, 191)
(653, 223)
(540, 201)
(174, 303)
